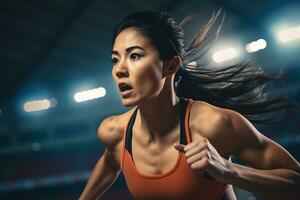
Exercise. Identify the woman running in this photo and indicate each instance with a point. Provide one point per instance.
(187, 120)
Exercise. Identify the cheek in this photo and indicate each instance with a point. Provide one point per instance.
(149, 80)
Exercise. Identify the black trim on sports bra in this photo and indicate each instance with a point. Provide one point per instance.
(183, 140)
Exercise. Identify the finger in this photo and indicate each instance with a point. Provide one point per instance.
(200, 165)
(195, 143)
(196, 150)
(197, 157)
(179, 147)
(190, 146)
(194, 158)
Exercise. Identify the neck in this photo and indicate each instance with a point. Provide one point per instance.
(159, 115)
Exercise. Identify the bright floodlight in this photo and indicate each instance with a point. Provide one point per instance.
(37, 105)
(224, 55)
(256, 46)
(290, 34)
(89, 94)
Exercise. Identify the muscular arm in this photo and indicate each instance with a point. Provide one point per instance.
(274, 173)
(101, 179)
(107, 168)
(229, 194)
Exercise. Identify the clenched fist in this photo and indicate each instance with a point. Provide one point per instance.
(203, 157)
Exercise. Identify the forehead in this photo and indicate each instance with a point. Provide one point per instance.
(131, 37)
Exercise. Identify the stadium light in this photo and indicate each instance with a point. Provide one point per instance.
(224, 55)
(256, 46)
(89, 94)
(37, 105)
(288, 35)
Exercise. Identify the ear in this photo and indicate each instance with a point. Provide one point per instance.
(171, 66)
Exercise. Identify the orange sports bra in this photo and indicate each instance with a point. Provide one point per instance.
(179, 183)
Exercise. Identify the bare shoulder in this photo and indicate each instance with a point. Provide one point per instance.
(209, 117)
(224, 126)
(229, 119)
(111, 130)
(220, 119)
(213, 123)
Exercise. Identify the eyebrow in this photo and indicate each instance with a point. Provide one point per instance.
(129, 49)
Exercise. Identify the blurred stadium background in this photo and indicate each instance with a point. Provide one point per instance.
(52, 50)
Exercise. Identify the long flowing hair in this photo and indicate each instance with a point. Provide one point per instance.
(239, 87)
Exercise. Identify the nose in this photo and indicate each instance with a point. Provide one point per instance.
(121, 71)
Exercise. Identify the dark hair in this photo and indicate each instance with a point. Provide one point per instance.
(238, 87)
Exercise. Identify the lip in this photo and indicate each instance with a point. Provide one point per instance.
(127, 92)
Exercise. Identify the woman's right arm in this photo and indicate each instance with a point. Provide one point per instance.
(229, 194)
(107, 168)
(102, 177)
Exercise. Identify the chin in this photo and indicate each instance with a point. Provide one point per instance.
(128, 102)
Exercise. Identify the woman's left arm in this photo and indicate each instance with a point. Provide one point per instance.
(275, 173)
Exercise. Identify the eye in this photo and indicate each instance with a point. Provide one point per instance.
(114, 60)
(135, 56)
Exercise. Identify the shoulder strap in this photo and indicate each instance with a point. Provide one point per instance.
(185, 115)
(129, 131)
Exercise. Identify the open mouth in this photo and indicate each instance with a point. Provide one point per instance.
(125, 89)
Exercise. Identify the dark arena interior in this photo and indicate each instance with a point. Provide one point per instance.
(56, 84)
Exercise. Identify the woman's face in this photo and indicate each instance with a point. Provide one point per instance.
(137, 67)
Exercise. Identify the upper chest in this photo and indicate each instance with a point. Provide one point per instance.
(154, 157)
(159, 157)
